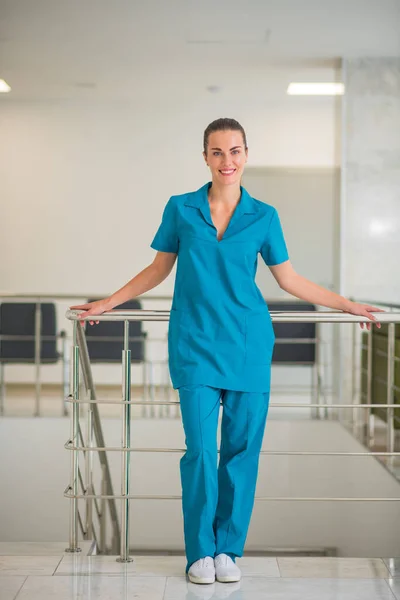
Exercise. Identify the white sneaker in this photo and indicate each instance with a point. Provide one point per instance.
(202, 571)
(225, 568)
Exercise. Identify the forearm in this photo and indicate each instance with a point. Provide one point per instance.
(144, 281)
(311, 292)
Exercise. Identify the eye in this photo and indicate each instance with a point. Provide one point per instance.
(216, 152)
(235, 151)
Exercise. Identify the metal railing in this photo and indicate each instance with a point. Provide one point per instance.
(357, 372)
(80, 355)
(318, 373)
(38, 337)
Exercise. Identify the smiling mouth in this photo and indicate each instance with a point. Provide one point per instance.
(227, 172)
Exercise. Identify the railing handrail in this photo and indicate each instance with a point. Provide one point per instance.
(323, 316)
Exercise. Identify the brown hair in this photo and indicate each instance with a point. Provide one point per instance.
(223, 125)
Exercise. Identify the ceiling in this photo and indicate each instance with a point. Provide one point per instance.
(111, 48)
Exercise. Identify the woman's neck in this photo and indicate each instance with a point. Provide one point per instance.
(228, 195)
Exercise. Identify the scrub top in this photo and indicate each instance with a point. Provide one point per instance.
(220, 331)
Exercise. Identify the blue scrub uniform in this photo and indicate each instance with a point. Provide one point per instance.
(220, 343)
(220, 330)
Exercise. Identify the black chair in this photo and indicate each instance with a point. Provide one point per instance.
(291, 350)
(17, 341)
(294, 352)
(110, 350)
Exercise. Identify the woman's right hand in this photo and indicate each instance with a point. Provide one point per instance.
(92, 308)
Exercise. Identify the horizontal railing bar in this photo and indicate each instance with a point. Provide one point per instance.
(271, 405)
(379, 352)
(295, 340)
(276, 316)
(67, 446)
(22, 338)
(116, 338)
(381, 382)
(262, 498)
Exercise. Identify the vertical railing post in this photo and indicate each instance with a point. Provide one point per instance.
(389, 392)
(126, 444)
(353, 375)
(38, 334)
(103, 514)
(2, 387)
(89, 474)
(367, 418)
(317, 365)
(65, 369)
(73, 531)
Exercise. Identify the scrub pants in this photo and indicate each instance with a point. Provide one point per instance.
(217, 502)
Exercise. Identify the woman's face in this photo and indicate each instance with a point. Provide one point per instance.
(226, 156)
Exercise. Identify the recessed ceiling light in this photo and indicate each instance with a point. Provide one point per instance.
(315, 89)
(4, 87)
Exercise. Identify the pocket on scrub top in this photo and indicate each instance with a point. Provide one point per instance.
(178, 335)
(260, 338)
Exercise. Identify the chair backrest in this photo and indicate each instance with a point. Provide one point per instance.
(18, 319)
(111, 350)
(294, 352)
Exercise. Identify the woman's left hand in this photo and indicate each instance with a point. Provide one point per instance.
(364, 310)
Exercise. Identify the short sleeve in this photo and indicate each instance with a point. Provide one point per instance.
(166, 238)
(274, 250)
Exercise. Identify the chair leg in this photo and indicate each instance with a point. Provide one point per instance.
(151, 387)
(314, 387)
(144, 387)
(167, 391)
(2, 388)
(65, 382)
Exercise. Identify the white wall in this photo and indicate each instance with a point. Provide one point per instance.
(83, 184)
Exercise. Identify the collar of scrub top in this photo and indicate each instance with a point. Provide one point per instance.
(245, 206)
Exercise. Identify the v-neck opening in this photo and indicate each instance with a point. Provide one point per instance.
(231, 218)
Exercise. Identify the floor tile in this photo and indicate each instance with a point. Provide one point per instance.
(10, 586)
(258, 566)
(394, 584)
(393, 564)
(39, 548)
(28, 565)
(262, 588)
(327, 566)
(94, 587)
(76, 564)
(168, 566)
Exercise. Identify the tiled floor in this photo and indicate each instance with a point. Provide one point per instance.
(48, 572)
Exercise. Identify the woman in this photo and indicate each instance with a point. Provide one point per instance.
(220, 341)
